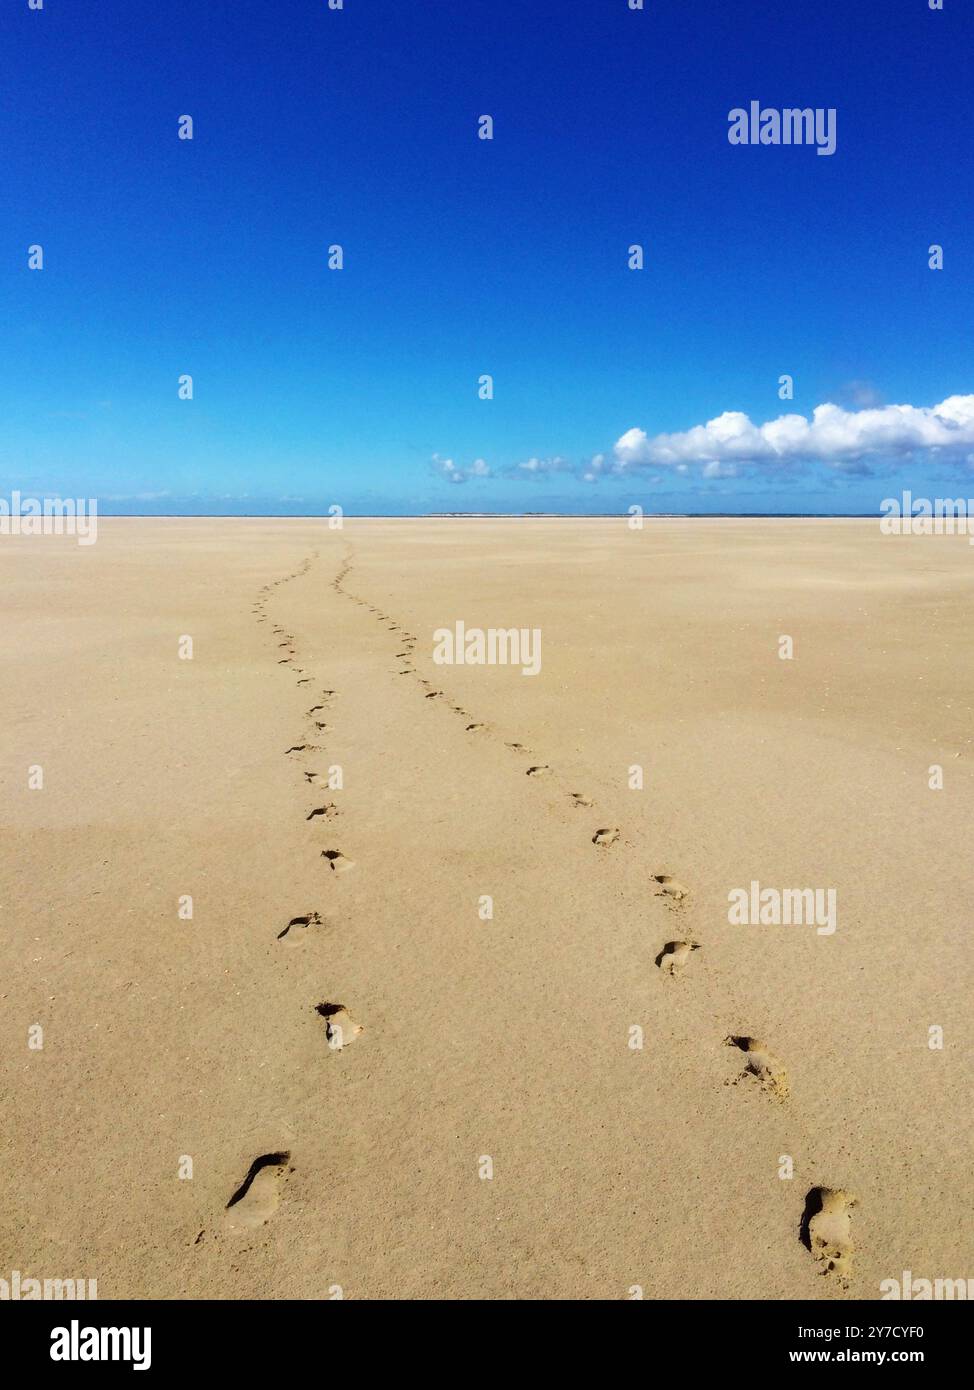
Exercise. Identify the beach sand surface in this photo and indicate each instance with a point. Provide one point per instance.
(431, 1094)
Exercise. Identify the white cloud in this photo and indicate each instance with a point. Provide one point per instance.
(454, 473)
(833, 435)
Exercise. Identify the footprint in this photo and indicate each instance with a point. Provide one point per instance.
(297, 748)
(323, 728)
(540, 771)
(339, 864)
(670, 887)
(826, 1230)
(472, 728)
(256, 1199)
(310, 919)
(764, 1065)
(432, 694)
(340, 1027)
(606, 837)
(329, 810)
(578, 798)
(674, 956)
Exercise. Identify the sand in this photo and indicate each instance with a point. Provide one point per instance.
(404, 1096)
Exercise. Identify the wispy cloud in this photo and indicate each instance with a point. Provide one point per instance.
(455, 473)
(540, 468)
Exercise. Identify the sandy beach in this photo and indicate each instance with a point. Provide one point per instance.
(516, 1049)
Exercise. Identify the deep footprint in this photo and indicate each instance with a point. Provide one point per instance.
(673, 958)
(763, 1064)
(256, 1199)
(670, 887)
(339, 864)
(340, 1028)
(310, 919)
(826, 1230)
(606, 837)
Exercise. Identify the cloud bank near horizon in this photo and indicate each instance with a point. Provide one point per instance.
(844, 440)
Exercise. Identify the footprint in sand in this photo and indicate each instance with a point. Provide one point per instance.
(310, 919)
(579, 799)
(323, 728)
(826, 1230)
(472, 728)
(340, 1027)
(763, 1064)
(606, 837)
(256, 1199)
(433, 694)
(540, 771)
(337, 861)
(330, 810)
(673, 958)
(297, 748)
(670, 887)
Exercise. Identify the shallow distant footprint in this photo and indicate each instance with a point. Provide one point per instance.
(673, 958)
(607, 836)
(258, 1196)
(670, 887)
(330, 810)
(539, 771)
(826, 1230)
(340, 1028)
(337, 861)
(580, 799)
(763, 1064)
(472, 728)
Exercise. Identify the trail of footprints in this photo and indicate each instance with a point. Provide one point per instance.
(825, 1227)
(257, 1197)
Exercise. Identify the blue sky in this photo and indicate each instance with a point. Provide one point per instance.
(464, 256)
